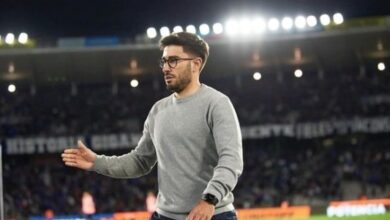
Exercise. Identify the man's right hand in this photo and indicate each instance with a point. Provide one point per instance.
(81, 157)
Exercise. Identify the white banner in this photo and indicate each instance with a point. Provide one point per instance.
(318, 129)
(40, 145)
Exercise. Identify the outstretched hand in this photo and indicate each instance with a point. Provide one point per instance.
(81, 157)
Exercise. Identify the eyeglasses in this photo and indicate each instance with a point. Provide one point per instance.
(172, 61)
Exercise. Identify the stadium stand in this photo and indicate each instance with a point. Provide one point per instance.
(301, 171)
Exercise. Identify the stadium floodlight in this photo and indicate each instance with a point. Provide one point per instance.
(258, 25)
(273, 24)
(338, 18)
(381, 66)
(287, 23)
(300, 22)
(204, 29)
(191, 29)
(10, 38)
(298, 73)
(311, 21)
(134, 83)
(231, 27)
(164, 31)
(151, 32)
(23, 38)
(11, 88)
(325, 19)
(177, 29)
(256, 76)
(245, 26)
(217, 28)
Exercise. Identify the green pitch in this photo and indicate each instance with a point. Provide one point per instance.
(372, 217)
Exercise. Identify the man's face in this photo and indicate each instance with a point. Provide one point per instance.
(180, 76)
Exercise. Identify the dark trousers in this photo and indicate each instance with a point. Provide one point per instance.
(222, 216)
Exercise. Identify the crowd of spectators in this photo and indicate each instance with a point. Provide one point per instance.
(313, 171)
(276, 169)
(67, 109)
(35, 184)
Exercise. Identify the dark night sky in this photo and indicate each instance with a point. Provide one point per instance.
(66, 18)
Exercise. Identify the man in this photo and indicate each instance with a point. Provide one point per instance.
(193, 135)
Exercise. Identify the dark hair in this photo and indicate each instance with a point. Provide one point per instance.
(191, 43)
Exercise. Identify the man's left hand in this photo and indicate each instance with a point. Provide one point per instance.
(202, 211)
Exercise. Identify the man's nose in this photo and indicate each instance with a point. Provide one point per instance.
(165, 67)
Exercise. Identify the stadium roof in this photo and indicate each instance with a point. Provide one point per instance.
(63, 18)
(44, 19)
(334, 50)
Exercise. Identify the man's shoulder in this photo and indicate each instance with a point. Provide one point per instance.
(164, 100)
(213, 93)
(162, 103)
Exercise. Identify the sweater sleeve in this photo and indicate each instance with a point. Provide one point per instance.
(227, 136)
(138, 162)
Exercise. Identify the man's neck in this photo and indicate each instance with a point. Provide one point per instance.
(189, 90)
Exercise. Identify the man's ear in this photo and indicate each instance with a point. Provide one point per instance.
(198, 63)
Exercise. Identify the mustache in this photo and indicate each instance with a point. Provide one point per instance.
(168, 75)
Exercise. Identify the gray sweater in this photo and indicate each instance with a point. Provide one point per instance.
(196, 142)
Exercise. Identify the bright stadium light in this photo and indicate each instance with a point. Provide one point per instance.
(298, 73)
(151, 32)
(381, 66)
(273, 24)
(311, 21)
(23, 38)
(191, 29)
(300, 22)
(258, 25)
(231, 27)
(287, 23)
(256, 76)
(245, 26)
(164, 31)
(134, 83)
(11, 88)
(204, 29)
(338, 18)
(177, 29)
(325, 19)
(217, 28)
(10, 38)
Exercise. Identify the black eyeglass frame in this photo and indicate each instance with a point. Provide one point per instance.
(172, 61)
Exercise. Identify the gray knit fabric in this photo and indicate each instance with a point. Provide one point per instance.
(196, 142)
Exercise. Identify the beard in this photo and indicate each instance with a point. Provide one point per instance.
(181, 81)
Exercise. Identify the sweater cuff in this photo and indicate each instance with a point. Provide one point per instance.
(97, 164)
(214, 191)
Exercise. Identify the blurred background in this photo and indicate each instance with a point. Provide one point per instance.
(309, 81)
